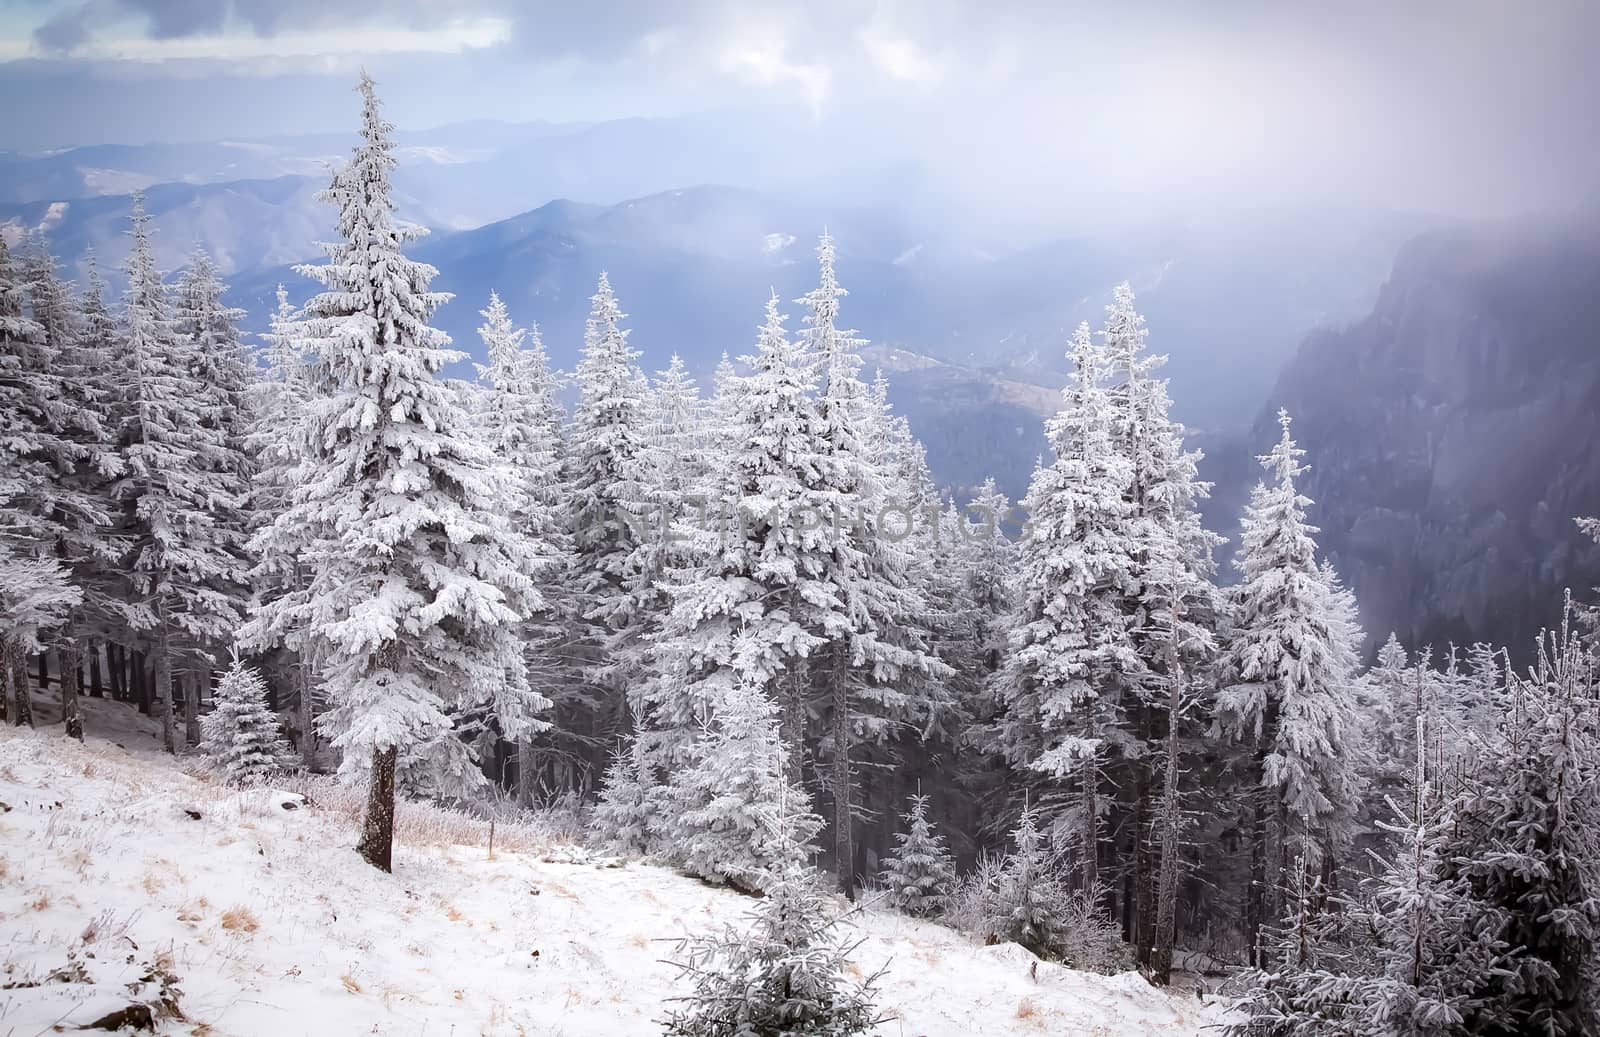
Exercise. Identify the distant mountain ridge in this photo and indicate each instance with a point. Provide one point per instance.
(1451, 434)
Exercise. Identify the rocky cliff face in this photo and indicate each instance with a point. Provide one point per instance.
(1455, 432)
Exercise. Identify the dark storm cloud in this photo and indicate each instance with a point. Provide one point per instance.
(177, 19)
(65, 31)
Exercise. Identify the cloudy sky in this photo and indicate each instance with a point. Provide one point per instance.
(1470, 105)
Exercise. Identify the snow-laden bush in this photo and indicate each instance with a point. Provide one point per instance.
(1027, 897)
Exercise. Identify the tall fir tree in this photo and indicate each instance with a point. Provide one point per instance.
(742, 614)
(177, 505)
(1289, 690)
(1072, 650)
(71, 505)
(519, 420)
(605, 490)
(876, 673)
(418, 580)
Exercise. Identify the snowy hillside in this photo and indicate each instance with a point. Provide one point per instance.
(264, 921)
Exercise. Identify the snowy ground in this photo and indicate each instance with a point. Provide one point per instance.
(255, 919)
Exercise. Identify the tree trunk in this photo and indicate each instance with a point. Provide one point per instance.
(1089, 834)
(97, 688)
(1167, 881)
(191, 709)
(44, 670)
(1143, 829)
(17, 667)
(117, 671)
(6, 691)
(1256, 903)
(163, 694)
(843, 848)
(308, 716)
(525, 765)
(792, 720)
(142, 682)
(377, 830)
(71, 661)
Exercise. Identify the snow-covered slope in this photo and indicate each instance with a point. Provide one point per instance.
(126, 878)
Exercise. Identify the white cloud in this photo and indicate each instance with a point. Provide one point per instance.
(450, 38)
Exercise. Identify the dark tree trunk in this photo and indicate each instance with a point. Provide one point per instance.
(71, 668)
(44, 670)
(1256, 903)
(1089, 836)
(792, 720)
(843, 846)
(377, 830)
(525, 767)
(308, 716)
(163, 695)
(191, 709)
(17, 666)
(117, 669)
(97, 689)
(142, 682)
(1167, 880)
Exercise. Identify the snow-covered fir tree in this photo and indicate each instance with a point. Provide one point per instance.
(67, 458)
(177, 503)
(787, 971)
(605, 497)
(628, 815)
(744, 613)
(241, 736)
(418, 580)
(223, 373)
(1289, 693)
(1072, 651)
(920, 872)
(876, 672)
(520, 420)
(717, 828)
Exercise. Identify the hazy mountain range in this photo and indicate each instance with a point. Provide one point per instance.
(1445, 415)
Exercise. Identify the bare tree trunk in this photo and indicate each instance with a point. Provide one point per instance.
(525, 767)
(117, 670)
(163, 694)
(792, 720)
(1089, 835)
(1167, 882)
(44, 671)
(143, 693)
(308, 716)
(1256, 902)
(843, 846)
(17, 667)
(377, 829)
(71, 659)
(191, 709)
(1143, 826)
(97, 688)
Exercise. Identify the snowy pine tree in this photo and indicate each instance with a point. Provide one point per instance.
(627, 817)
(418, 580)
(520, 420)
(744, 611)
(717, 830)
(241, 735)
(1072, 650)
(178, 503)
(877, 673)
(1290, 696)
(920, 872)
(787, 972)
